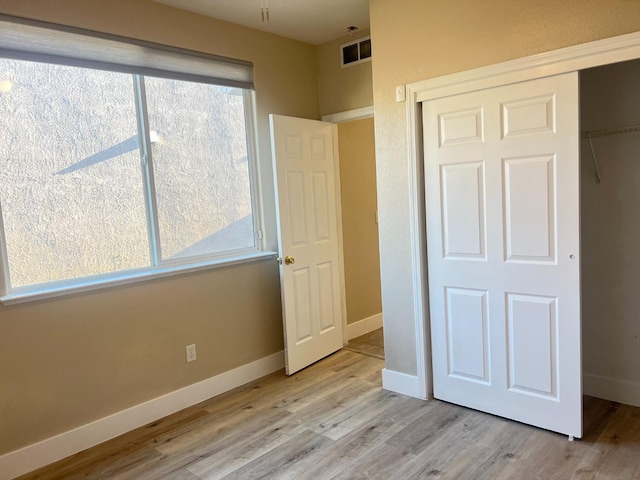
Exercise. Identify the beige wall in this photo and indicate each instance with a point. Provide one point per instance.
(359, 227)
(610, 98)
(416, 40)
(68, 361)
(341, 89)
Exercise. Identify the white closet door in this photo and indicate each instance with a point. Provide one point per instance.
(502, 202)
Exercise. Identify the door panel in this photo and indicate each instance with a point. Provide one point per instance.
(467, 332)
(530, 208)
(502, 203)
(532, 327)
(295, 199)
(302, 300)
(529, 116)
(462, 187)
(461, 127)
(321, 207)
(308, 232)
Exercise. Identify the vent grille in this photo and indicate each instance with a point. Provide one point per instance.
(355, 52)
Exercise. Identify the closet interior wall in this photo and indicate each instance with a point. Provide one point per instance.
(610, 233)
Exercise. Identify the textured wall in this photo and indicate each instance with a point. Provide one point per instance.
(68, 361)
(420, 39)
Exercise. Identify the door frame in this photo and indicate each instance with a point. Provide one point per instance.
(569, 59)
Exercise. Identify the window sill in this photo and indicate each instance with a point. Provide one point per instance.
(41, 292)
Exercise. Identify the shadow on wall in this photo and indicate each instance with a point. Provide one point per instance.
(125, 146)
(227, 239)
(128, 145)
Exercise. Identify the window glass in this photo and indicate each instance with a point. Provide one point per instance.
(70, 181)
(201, 167)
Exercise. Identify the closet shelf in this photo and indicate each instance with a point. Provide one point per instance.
(610, 131)
(605, 133)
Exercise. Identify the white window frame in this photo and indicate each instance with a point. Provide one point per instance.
(158, 267)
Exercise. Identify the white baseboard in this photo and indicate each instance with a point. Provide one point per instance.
(366, 325)
(611, 389)
(400, 383)
(52, 449)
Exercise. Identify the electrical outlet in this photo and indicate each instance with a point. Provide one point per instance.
(191, 353)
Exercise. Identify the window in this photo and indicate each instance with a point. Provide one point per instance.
(110, 173)
(201, 168)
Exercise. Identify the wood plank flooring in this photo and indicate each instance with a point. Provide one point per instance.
(371, 343)
(333, 421)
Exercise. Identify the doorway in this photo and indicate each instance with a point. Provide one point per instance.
(356, 144)
(610, 231)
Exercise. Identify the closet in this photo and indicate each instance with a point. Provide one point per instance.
(610, 231)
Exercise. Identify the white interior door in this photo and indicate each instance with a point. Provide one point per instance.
(308, 239)
(502, 203)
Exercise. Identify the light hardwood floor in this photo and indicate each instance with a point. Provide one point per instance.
(371, 343)
(333, 421)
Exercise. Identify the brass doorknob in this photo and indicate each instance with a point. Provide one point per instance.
(287, 260)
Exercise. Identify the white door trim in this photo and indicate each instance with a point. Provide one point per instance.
(338, 187)
(579, 57)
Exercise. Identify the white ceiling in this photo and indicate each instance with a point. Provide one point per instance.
(310, 21)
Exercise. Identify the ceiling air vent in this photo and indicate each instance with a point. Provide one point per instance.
(355, 52)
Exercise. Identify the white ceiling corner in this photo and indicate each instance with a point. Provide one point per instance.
(310, 21)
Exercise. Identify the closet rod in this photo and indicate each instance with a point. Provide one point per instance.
(605, 133)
